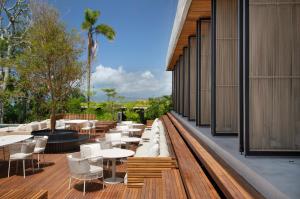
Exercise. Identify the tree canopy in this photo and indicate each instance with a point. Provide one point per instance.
(51, 61)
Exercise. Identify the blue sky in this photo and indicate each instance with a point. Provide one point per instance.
(135, 62)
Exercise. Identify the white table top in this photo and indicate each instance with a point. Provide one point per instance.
(116, 153)
(137, 124)
(11, 139)
(130, 139)
(133, 130)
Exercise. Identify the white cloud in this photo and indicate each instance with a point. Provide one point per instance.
(132, 85)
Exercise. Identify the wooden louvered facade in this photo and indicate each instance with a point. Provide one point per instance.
(238, 70)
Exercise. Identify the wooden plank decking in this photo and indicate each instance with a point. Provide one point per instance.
(54, 178)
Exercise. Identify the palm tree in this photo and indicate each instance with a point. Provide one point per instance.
(89, 24)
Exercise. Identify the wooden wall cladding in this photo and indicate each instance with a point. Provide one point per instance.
(227, 76)
(274, 75)
(181, 82)
(186, 82)
(192, 79)
(205, 67)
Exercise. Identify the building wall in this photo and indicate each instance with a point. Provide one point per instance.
(274, 75)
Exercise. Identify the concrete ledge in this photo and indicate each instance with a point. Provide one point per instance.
(257, 181)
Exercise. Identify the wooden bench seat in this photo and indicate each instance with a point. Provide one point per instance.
(172, 185)
(23, 193)
(196, 183)
(140, 168)
(230, 187)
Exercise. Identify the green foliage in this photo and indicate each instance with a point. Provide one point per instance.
(73, 105)
(132, 115)
(158, 107)
(106, 31)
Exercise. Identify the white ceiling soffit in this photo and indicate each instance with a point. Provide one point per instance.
(181, 13)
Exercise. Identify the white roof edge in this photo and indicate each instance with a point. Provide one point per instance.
(181, 13)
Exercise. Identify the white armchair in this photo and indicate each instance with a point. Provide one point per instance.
(21, 151)
(115, 139)
(87, 126)
(81, 169)
(41, 142)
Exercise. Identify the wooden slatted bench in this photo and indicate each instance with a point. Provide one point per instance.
(172, 185)
(140, 168)
(23, 193)
(230, 187)
(197, 184)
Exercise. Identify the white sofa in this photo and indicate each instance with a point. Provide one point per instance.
(154, 142)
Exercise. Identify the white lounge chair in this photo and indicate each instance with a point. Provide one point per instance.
(82, 169)
(21, 151)
(87, 126)
(41, 142)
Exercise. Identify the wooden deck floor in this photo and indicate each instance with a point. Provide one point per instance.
(54, 177)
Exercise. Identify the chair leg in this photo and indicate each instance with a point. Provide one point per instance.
(17, 166)
(102, 182)
(24, 168)
(32, 165)
(38, 160)
(84, 187)
(70, 181)
(8, 167)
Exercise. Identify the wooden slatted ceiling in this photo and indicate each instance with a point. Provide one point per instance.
(198, 8)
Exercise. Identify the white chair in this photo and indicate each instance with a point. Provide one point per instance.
(90, 150)
(21, 151)
(82, 169)
(124, 129)
(115, 139)
(104, 143)
(87, 126)
(41, 142)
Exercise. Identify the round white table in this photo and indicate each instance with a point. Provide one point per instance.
(11, 139)
(113, 154)
(133, 130)
(137, 124)
(128, 140)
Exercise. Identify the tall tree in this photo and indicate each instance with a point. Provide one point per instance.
(14, 20)
(89, 24)
(51, 60)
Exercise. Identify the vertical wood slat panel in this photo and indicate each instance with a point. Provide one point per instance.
(227, 82)
(175, 84)
(205, 68)
(173, 89)
(193, 73)
(274, 75)
(186, 82)
(181, 82)
(178, 87)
